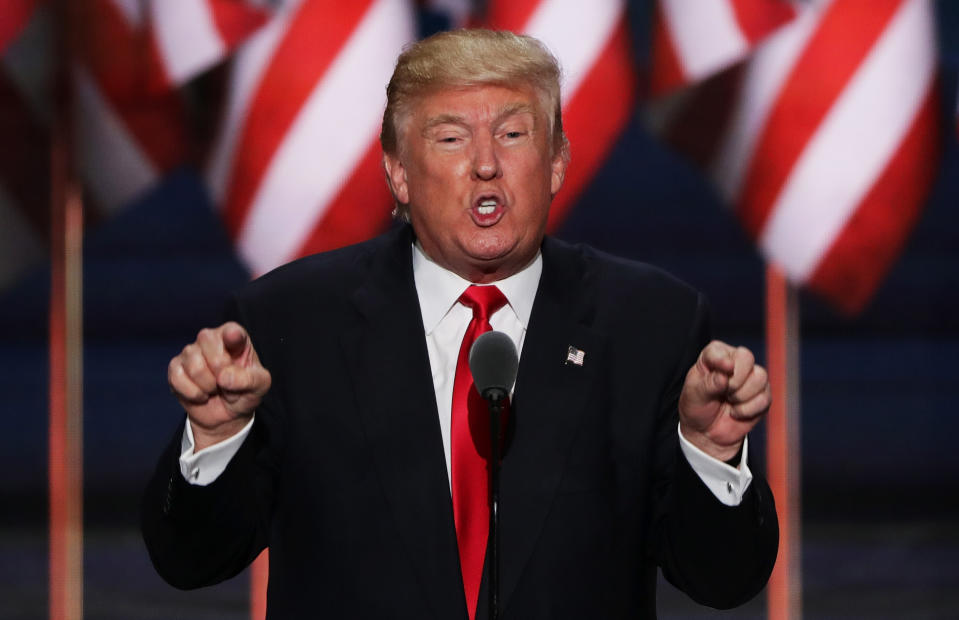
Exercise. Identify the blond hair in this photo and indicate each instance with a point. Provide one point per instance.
(466, 58)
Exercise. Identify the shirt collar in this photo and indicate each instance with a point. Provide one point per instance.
(438, 288)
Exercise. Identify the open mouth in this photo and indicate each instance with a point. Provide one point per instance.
(487, 209)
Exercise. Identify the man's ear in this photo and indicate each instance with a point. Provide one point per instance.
(396, 178)
(558, 171)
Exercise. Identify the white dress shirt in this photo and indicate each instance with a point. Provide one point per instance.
(444, 324)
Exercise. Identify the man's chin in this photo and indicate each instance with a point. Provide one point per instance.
(497, 264)
(490, 255)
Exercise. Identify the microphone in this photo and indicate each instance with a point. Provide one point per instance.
(493, 362)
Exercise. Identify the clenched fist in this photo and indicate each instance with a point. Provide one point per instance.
(219, 380)
(724, 396)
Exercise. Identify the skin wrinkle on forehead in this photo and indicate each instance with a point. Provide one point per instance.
(507, 112)
(403, 113)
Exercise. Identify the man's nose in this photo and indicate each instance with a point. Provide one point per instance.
(485, 159)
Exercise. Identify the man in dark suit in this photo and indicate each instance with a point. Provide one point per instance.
(350, 456)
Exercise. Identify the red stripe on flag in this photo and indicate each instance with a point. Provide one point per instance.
(359, 211)
(609, 86)
(511, 14)
(316, 34)
(758, 18)
(850, 271)
(14, 15)
(158, 80)
(844, 37)
(668, 72)
(236, 19)
(118, 57)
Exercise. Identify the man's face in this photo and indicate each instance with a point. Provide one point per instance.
(475, 168)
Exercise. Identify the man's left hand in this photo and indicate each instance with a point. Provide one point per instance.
(724, 396)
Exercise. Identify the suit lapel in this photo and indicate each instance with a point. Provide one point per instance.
(389, 364)
(549, 402)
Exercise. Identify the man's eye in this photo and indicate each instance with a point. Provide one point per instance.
(514, 134)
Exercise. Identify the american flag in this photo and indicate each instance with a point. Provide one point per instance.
(15, 15)
(575, 356)
(694, 39)
(190, 36)
(127, 136)
(830, 142)
(296, 167)
(131, 126)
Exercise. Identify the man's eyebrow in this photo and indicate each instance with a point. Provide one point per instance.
(507, 111)
(515, 108)
(443, 119)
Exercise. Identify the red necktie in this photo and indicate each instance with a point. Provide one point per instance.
(470, 444)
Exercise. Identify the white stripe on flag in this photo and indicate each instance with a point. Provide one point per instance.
(706, 36)
(114, 167)
(133, 11)
(854, 143)
(251, 61)
(576, 32)
(187, 37)
(333, 130)
(764, 78)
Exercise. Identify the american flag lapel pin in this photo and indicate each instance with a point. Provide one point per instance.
(575, 356)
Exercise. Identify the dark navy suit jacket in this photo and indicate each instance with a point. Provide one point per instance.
(344, 477)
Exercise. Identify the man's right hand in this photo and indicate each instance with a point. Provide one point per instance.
(219, 380)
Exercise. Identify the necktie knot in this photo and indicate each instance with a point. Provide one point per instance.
(484, 300)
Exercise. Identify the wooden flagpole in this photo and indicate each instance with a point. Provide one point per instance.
(66, 406)
(66, 348)
(259, 571)
(783, 460)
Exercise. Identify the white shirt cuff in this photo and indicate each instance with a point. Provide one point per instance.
(727, 483)
(205, 466)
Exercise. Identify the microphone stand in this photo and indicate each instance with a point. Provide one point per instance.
(495, 398)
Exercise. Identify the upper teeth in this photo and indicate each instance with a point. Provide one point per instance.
(487, 206)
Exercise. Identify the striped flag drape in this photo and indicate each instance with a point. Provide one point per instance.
(296, 168)
(14, 15)
(190, 36)
(127, 135)
(828, 149)
(694, 39)
(124, 137)
(24, 181)
(590, 39)
(24, 172)
(127, 132)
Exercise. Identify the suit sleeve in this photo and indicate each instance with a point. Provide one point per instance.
(721, 556)
(201, 535)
